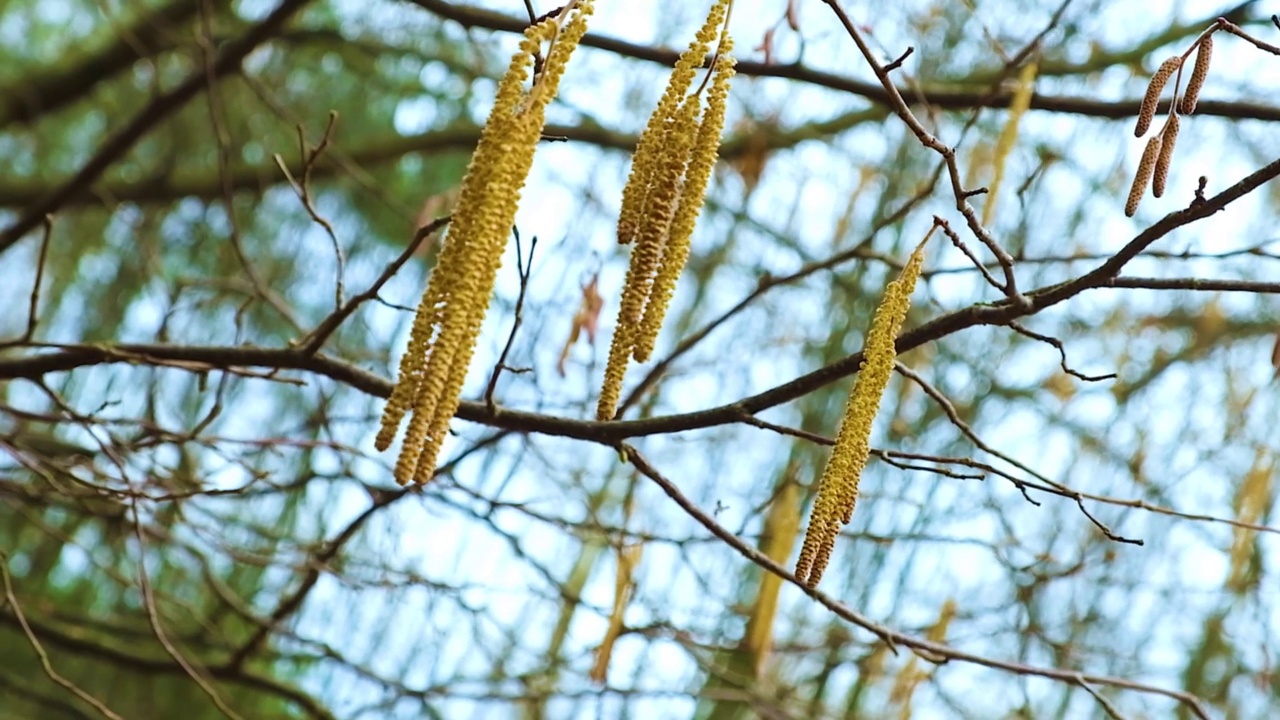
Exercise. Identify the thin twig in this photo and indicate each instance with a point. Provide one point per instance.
(959, 244)
(903, 111)
(302, 188)
(33, 304)
(119, 144)
(205, 41)
(316, 338)
(891, 637)
(1236, 30)
(522, 270)
(1112, 711)
(952, 415)
(1062, 353)
(12, 600)
(153, 617)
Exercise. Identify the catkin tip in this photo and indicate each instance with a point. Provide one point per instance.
(1146, 167)
(1151, 100)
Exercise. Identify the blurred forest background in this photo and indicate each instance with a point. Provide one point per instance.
(210, 256)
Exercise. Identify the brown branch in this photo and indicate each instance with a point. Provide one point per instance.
(196, 673)
(523, 269)
(316, 338)
(900, 108)
(33, 303)
(65, 358)
(153, 33)
(461, 137)
(946, 99)
(147, 665)
(1198, 284)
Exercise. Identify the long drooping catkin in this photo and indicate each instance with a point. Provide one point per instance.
(641, 181)
(453, 307)
(1168, 137)
(662, 198)
(702, 160)
(1146, 167)
(838, 488)
(1151, 100)
(1204, 53)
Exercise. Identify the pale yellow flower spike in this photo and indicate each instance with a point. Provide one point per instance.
(654, 235)
(646, 256)
(1018, 107)
(455, 281)
(838, 489)
(515, 158)
(650, 200)
(645, 161)
(453, 307)
(702, 160)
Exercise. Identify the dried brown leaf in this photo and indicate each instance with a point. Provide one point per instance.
(587, 320)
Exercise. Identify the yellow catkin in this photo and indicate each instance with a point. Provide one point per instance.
(1255, 494)
(652, 142)
(1146, 166)
(456, 282)
(655, 233)
(1009, 135)
(1204, 53)
(1151, 100)
(645, 258)
(780, 529)
(702, 160)
(1168, 137)
(838, 488)
(453, 307)
(623, 587)
(518, 160)
(653, 196)
(412, 363)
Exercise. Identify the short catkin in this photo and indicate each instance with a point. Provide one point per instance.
(1151, 100)
(1168, 137)
(1204, 53)
(1140, 181)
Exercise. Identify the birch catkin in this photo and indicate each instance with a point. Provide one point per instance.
(663, 196)
(1146, 167)
(1168, 137)
(838, 488)
(702, 160)
(1151, 100)
(454, 304)
(1204, 53)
